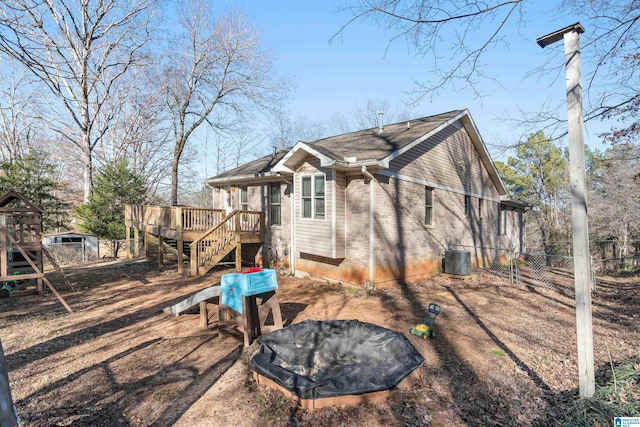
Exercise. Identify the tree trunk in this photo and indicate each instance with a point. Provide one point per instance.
(88, 167)
(177, 153)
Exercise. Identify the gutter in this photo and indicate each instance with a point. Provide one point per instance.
(242, 179)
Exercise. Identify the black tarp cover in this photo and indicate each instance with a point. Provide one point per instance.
(316, 359)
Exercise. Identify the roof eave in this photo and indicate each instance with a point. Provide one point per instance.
(245, 179)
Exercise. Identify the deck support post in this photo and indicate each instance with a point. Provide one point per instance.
(238, 242)
(136, 238)
(179, 241)
(239, 256)
(127, 232)
(160, 251)
(147, 255)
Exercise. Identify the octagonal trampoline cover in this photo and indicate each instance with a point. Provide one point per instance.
(316, 359)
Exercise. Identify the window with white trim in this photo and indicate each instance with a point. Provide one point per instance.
(428, 206)
(313, 197)
(275, 203)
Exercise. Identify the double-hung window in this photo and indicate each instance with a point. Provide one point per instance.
(313, 197)
(428, 206)
(467, 206)
(502, 220)
(275, 201)
(244, 201)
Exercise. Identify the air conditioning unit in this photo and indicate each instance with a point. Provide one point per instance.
(457, 262)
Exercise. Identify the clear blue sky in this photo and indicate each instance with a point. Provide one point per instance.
(335, 77)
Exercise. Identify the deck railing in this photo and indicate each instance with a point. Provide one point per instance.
(220, 238)
(190, 219)
(215, 230)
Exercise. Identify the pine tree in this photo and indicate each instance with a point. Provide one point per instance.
(34, 178)
(103, 215)
(538, 174)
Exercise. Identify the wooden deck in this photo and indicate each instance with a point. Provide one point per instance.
(210, 233)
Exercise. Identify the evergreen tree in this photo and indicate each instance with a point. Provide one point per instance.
(34, 178)
(103, 215)
(538, 175)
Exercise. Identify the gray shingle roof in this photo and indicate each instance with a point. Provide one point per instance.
(256, 167)
(368, 144)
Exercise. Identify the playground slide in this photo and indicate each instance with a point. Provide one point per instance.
(193, 300)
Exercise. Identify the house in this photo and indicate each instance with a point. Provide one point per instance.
(379, 206)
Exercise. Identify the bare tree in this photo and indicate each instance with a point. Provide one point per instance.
(79, 51)
(453, 34)
(456, 35)
(17, 130)
(615, 206)
(217, 64)
(140, 130)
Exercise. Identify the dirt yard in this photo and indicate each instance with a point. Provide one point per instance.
(503, 355)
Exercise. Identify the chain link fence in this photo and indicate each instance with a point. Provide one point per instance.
(495, 260)
(531, 269)
(71, 253)
(543, 270)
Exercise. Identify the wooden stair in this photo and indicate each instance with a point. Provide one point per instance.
(214, 245)
(206, 236)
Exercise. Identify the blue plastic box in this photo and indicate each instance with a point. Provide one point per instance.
(234, 286)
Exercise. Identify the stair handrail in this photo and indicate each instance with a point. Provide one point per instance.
(226, 230)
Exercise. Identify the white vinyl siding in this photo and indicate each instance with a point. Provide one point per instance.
(314, 236)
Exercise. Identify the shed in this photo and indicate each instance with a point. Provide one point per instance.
(79, 246)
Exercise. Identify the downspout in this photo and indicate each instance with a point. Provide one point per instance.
(292, 247)
(372, 266)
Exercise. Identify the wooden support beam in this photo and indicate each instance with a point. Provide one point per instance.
(4, 246)
(53, 290)
(127, 232)
(136, 238)
(160, 251)
(179, 241)
(147, 236)
(239, 256)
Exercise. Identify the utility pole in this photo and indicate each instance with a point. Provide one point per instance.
(7, 413)
(581, 265)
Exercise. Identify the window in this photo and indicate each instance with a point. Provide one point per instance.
(479, 208)
(275, 200)
(428, 206)
(306, 197)
(318, 196)
(244, 204)
(313, 197)
(467, 206)
(502, 221)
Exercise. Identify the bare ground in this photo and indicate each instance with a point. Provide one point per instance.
(503, 355)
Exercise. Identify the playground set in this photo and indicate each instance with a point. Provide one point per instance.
(21, 250)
